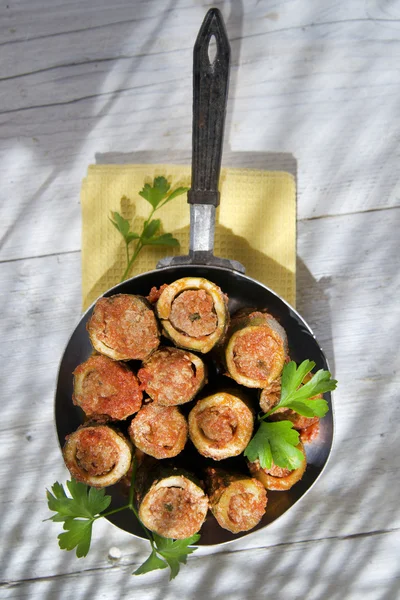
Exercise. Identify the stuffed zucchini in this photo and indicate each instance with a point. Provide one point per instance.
(97, 455)
(193, 313)
(124, 327)
(106, 389)
(172, 376)
(256, 349)
(221, 425)
(171, 502)
(159, 431)
(237, 502)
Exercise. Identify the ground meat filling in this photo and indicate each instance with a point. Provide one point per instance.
(276, 471)
(193, 314)
(160, 431)
(107, 388)
(95, 452)
(270, 395)
(246, 508)
(175, 509)
(255, 353)
(125, 324)
(170, 377)
(218, 424)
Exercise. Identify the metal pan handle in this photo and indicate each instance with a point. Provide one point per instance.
(210, 94)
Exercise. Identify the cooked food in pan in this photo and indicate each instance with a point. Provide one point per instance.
(193, 313)
(256, 349)
(270, 395)
(277, 478)
(159, 431)
(106, 389)
(221, 425)
(236, 501)
(97, 455)
(172, 376)
(124, 327)
(170, 502)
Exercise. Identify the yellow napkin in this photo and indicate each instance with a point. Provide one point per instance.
(256, 224)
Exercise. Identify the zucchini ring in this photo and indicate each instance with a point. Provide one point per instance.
(193, 313)
(237, 502)
(124, 327)
(256, 350)
(221, 426)
(104, 388)
(172, 376)
(97, 455)
(159, 431)
(173, 506)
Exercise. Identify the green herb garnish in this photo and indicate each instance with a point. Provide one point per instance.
(275, 443)
(87, 504)
(299, 397)
(158, 195)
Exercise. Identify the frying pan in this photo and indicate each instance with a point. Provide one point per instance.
(210, 87)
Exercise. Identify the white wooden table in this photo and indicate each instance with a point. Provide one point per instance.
(315, 90)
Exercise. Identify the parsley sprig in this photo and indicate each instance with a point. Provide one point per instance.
(276, 443)
(157, 195)
(86, 504)
(300, 398)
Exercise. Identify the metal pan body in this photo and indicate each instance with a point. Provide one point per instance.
(242, 292)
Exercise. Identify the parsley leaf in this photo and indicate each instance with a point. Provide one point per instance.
(158, 195)
(168, 552)
(300, 398)
(122, 225)
(275, 443)
(78, 513)
(151, 564)
(165, 239)
(150, 229)
(157, 192)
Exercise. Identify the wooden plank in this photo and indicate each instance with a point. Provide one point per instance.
(361, 568)
(104, 85)
(340, 293)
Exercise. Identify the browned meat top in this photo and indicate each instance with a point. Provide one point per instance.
(170, 377)
(96, 452)
(158, 430)
(126, 324)
(299, 421)
(155, 293)
(276, 471)
(175, 508)
(245, 508)
(106, 387)
(218, 424)
(255, 353)
(310, 433)
(270, 395)
(193, 314)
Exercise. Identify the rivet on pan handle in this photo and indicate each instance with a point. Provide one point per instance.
(210, 93)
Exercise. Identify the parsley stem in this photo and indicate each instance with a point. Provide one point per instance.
(138, 248)
(111, 512)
